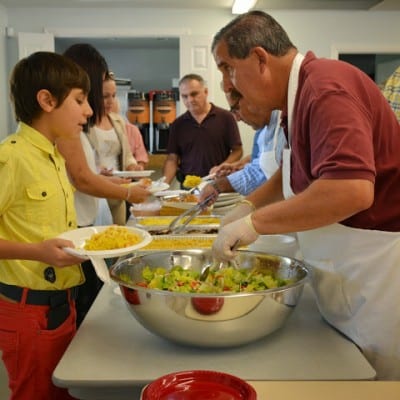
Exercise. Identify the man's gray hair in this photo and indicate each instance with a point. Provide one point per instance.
(192, 77)
(253, 29)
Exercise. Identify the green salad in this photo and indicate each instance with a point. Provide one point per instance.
(227, 279)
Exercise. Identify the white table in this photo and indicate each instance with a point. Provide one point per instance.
(113, 356)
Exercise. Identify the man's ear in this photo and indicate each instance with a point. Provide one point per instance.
(46, 100)
(262, 57)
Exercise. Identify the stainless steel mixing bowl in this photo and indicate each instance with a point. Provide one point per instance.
(210, 320)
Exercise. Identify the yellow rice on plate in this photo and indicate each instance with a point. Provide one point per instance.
(114, 237)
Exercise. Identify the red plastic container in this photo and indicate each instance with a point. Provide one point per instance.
(199, 385)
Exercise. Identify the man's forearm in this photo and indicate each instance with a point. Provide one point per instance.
(235, 155)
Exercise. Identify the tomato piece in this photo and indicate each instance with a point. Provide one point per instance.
(131, 295)
(207, 305)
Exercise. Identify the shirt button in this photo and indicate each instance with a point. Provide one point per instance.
(50, 274)
(44, 194)
(13, 141)
(70, 223)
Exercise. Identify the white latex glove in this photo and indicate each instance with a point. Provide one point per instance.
(241, 210)
(242, 230)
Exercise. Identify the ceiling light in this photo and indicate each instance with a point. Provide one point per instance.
(242, 6)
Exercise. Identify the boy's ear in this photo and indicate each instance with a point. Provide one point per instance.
(46, 100)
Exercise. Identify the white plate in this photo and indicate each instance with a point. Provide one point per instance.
(227, 202)
(229, 195)
(79, 237)
(223, 210)
(158, 187)
(155, 186)
(133, 174)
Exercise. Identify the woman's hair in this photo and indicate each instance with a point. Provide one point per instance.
(253, 29)
(96, 66)
(43, 70)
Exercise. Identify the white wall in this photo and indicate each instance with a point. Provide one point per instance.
(324, 32)
(148, 68)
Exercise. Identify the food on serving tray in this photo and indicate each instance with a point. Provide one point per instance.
(170, 210)
(183, 243)
(114, 237)
(191, 181)
(227, 279)
(154, 221)
(185, 197)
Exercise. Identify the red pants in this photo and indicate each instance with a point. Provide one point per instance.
(30, 351)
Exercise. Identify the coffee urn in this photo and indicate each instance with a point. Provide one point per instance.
(162, 114)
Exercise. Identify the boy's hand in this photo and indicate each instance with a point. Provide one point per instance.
(51, 252)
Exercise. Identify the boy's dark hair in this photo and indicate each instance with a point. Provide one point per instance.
(43, 70)
(95, 65)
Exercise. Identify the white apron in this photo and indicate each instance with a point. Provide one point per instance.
(268, 162)
(355, 275)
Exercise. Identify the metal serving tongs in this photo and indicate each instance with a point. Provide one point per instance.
(196, 189)
(178, 224)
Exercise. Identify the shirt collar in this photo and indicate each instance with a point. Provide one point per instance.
(187, 114)
(35, 138)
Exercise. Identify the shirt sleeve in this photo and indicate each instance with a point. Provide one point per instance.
(247, 179)
(136, 142)
(172, 147)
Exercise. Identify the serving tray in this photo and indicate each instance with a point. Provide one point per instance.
(202, 224)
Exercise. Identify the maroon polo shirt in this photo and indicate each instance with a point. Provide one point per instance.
(203, 146)
(344, 128)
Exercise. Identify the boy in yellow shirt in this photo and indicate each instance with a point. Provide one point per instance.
(38, 279)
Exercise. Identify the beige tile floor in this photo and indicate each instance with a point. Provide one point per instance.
(4, 392)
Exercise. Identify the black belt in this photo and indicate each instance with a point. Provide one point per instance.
(38, 297)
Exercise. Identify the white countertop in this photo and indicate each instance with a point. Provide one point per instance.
(113, 353)
(332, 390)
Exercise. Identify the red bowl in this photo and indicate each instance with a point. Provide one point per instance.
(199, 385)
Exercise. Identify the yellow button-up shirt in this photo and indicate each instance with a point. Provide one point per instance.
(36, 203)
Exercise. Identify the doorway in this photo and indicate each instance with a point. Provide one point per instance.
(377, 66)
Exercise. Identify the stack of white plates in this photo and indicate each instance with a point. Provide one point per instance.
(226, 202)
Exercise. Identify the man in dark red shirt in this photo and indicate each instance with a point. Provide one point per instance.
(339, 185)
(203, 137)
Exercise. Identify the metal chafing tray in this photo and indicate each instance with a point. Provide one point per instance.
(202, 224)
